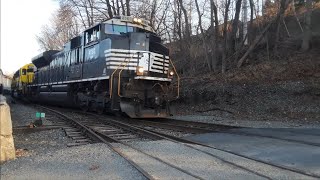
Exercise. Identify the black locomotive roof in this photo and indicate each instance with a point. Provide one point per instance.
(44, 58)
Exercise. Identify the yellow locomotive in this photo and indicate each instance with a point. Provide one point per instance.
(21, 78)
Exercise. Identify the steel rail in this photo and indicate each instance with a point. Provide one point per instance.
(140, 131)
(101, 139)
(172, 138)
(274, 137)
(184, 141)
(181, 140)
(187, 125)
(176, 127)
(154, 157)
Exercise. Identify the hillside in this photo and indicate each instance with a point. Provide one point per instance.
(285, 88)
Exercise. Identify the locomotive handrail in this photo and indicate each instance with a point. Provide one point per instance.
(174, 68)
(119, 79)
(111, 78)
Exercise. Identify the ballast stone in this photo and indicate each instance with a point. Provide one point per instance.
(7, 150)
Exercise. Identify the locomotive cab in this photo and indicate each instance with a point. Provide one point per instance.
(23, 77)
(141, 71)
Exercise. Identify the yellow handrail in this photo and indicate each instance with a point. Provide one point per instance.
(119, 79)
(174, 68)
(111, 78)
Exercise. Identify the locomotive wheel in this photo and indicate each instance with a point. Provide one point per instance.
(85, 106)
(137, 109)
(100, 110)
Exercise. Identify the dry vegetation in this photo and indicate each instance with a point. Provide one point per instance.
(268, 66)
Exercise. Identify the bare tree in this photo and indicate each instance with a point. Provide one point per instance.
(203, 36)
(187, 36)
(109, 8)
(283, 7)
(307, 33)
(235, 27)
(64, 26)
(264, 31)
(128, 7)
(225, 37)
(214, 19)
(250, 35)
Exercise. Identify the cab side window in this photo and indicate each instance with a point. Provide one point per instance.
(92, 35)
(74, 56)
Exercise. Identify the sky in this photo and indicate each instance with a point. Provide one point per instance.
(21, 21)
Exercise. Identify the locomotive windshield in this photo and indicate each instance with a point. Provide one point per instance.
(30, 70)
(24, 71)
(117, 29)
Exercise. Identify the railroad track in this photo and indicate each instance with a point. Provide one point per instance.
(198, 127)
(205, 128)
(110, 130)
(100, 132)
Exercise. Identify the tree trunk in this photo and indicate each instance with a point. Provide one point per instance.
(118, 7)
(109, 9)
(235, 27)
(128, 7)
(253, 45)
(203, 36)
(185, 13)
(250, 29)
(307, 33)
(153, 13)
(215, 26)
(225, 36)
(186, 39)
(114, 8)
(122, 7)
(283, 7)
(256, 41)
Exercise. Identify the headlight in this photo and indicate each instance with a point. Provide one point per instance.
(171, 73)
(140, 70)
(135, 19)
(139, 21)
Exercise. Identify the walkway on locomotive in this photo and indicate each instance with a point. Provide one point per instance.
(100, 50)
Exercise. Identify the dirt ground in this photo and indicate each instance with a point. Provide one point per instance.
(284, 90)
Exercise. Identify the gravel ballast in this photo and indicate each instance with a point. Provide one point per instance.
(23, 115)
(267, 170)
(157, 169)
(42, 142)
(93, 161)
(194, 161)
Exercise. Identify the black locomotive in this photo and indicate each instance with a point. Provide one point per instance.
(117, 65)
